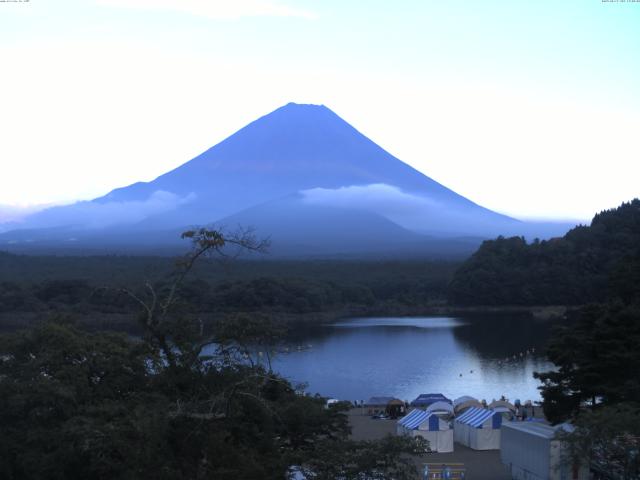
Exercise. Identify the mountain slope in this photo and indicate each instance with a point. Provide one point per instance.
(294, 148)
(296, 228)
(304, 152)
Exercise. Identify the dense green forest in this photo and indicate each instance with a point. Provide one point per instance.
(86, 287)
(577, 269)
(133, 270)
(76, 405)
(595, 384)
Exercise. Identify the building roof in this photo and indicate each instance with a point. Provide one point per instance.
(533, 428)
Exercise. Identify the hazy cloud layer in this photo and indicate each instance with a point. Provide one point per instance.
(99, 215)
(405, 209)
(378, 197)
(16, 213)
(215, 9)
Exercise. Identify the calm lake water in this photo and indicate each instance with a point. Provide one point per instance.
(403, 357)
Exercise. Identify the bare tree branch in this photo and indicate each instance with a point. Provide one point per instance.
(157, 310)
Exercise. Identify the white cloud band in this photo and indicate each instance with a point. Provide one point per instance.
(379, 197)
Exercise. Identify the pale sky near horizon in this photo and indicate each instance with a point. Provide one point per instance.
(528, 108)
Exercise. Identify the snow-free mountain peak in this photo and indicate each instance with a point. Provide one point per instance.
(300, 156)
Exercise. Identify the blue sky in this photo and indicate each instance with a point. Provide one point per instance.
(530, 108)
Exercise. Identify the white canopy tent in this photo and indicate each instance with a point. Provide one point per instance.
(502, 406)
(465, 402)
(478, 428)
(419, 423)
(441, 408)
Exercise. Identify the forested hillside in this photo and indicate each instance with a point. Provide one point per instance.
(595, 384)
(579, 268)
(33, 287)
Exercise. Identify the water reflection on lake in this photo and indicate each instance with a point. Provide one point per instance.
(359, 358)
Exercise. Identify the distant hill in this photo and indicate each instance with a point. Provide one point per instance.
(300, 162)
(587, 265)
(296, 228)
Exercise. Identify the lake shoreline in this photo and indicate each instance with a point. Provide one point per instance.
(127, 321)
(490, 343)
(486, 356)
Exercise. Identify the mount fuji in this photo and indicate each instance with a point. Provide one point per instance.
(301, 175)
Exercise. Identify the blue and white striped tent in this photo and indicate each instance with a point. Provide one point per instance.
(419, 418)
(476, 417)
(418, 423)
(478, 428)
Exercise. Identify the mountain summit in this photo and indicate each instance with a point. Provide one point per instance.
(294, 148)
(293, 163)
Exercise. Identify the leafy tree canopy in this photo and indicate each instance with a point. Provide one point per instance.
(77, 405)
(597, 359)
(573, 270)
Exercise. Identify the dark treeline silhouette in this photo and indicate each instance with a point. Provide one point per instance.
(31, 286)
(595, 383)
(589, 264)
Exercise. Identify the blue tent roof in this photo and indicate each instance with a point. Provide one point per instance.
(426, 399)
(475, 417)
(415, 418)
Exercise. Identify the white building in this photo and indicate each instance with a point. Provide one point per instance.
(532, 452)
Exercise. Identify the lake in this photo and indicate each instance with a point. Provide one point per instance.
(355, 359)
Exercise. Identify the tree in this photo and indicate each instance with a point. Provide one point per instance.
(158, 319)
(608, 439)
(75, 404)
(68, 399)
(572, 270)
(597, 358)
